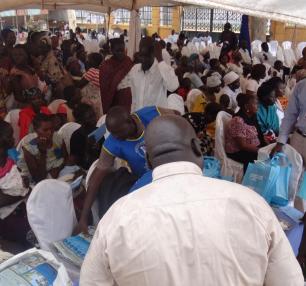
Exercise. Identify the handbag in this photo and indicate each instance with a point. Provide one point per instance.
(261, 177)
(280, 190)
(212, 167)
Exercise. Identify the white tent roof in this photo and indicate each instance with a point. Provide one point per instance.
(282, 10)
(90, 5)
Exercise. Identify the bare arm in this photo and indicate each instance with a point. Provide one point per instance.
(104, 166)
(36, 166)
(81, 83)
(244, 146)
(6, 200)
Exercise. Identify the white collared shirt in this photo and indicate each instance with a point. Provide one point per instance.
(150, 88)
(184, 229)
(166, 57)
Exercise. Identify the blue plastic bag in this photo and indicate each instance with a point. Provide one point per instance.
(280, 190)
(302, 190)
(212, 167)
(261, 177)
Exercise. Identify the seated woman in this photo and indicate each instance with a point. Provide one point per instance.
(13, 191)
(267, 111)
(23, 76)
(44, 156)
(84, 150)
(36, 105)
(242, 139)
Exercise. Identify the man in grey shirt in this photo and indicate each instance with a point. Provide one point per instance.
(294, 121)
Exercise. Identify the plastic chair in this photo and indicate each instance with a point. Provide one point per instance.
(290, 58)
(297, 165)
(273, 45)
(287, 45)
(230, 168)
(13, 118)
(256, 46)
(300, 48)
(95, 206)
(66, 132)
(176, 102)
(51, 212)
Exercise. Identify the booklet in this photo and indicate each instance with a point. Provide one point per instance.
(31, 270)
(288, 217)
(73, 249)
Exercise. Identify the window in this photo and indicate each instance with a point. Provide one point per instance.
(146, 15)
(122, 16)
(211, 20)
(89, 17)
(165, 16)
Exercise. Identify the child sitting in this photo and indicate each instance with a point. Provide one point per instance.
(44, 156)
(13, 191)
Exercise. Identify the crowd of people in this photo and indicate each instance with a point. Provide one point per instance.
(159, 108)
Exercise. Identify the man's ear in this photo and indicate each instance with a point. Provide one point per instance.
(196, 147)
(148, 161)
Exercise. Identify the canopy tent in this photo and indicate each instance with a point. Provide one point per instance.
(90, 5)
(279, 10)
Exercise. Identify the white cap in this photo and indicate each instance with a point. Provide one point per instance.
(213, 81)
(230, 77)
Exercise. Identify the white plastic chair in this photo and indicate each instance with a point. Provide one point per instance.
(300, 48)
(273, 45)
(51, 212)
(256, 46)
(24, 140)
(13, 118)
(95, 206)
(290, 58)
(297, 165)
(280, 54)
(287, 45)
(229, 167)
(66, 132)
(176, 102)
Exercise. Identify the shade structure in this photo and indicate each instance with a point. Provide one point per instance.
(90, 5)
(293, 11)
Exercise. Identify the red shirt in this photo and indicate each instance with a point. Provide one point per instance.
(26, 116)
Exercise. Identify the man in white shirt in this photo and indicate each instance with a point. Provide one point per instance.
(231, 88)
(166, 56)
(184, 229)
(152, 78)
(265, 56)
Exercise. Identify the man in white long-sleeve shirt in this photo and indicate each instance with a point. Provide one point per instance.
(187, 230)
(151, 79)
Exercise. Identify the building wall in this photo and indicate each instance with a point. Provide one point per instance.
(163, 31)
(282, 32)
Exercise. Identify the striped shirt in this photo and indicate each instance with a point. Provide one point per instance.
(92, 75)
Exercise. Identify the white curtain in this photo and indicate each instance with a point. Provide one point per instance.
(134, 34)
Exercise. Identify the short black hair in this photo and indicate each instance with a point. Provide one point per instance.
(244, 99)
(69, 92)
(6, 32)
(80, 111)
(96, 59)
(258, 70)
(266, 89)
(39, 118)
(116, 41)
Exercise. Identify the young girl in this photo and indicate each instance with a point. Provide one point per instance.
(44, 156)
(13, 191)
(36, 105)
